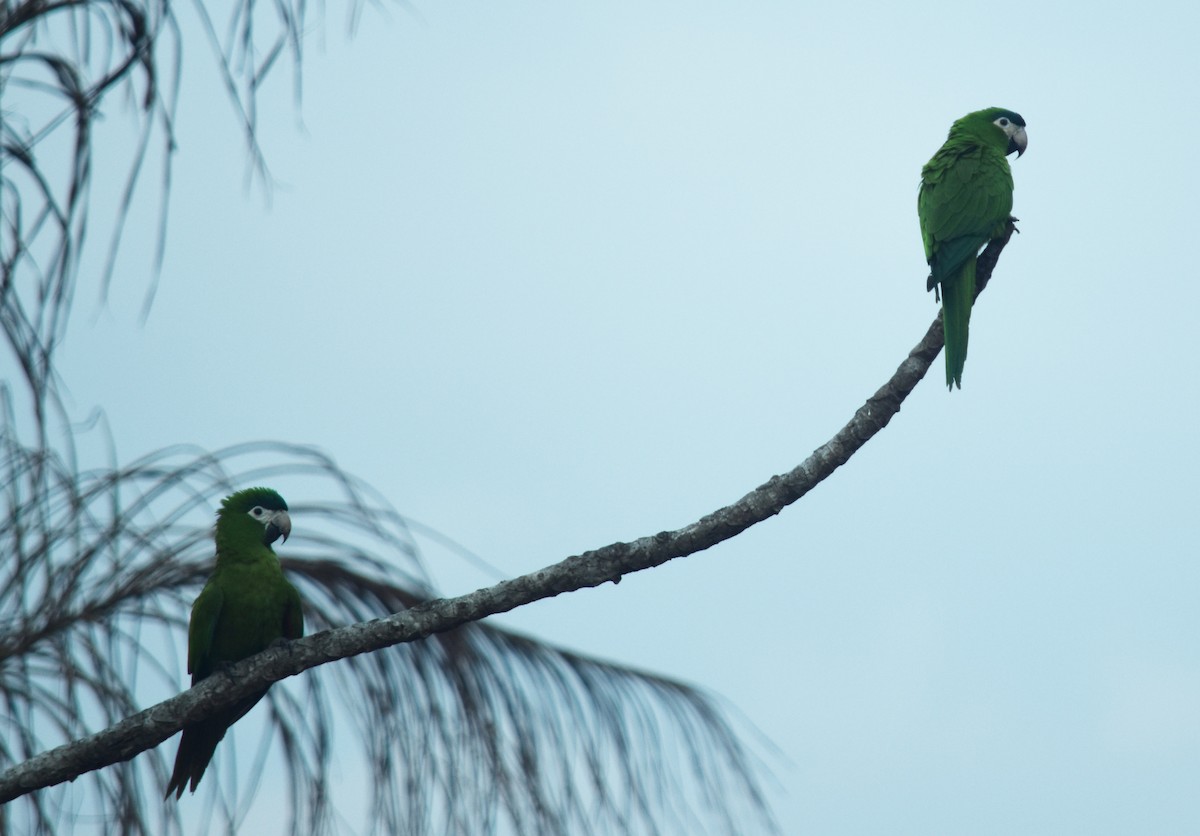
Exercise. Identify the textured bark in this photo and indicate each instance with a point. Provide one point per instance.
(151, 727)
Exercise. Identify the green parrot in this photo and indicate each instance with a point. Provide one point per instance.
(246, 606)
(964, 202)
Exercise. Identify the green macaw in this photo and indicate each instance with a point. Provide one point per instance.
(964, 202)
(245, 607)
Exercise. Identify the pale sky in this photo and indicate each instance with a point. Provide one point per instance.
(550, 276)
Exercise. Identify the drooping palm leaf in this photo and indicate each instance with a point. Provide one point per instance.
(461, 732)
(467, 731)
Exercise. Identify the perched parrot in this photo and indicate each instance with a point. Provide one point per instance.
(964, 202)
(246, 606)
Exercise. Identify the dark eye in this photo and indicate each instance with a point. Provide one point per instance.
(1003, 122)
(257, 512)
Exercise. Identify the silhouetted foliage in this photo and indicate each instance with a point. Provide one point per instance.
(462, 732)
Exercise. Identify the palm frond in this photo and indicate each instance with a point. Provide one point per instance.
(466, 731)
(476, 730)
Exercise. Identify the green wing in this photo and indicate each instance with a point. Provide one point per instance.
(206, 612)
(199, 740)
(293, 614)
(966, 194)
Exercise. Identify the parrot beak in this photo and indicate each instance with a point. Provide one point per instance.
(1018, 142)
(280, 525)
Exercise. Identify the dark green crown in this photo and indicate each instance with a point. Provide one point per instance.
(994, 113)
(243, 501)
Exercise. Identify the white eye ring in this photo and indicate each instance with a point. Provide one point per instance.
(257, 512)
(1003, 122)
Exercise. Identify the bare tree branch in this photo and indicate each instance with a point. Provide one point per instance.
(152, 726)
(458, 732)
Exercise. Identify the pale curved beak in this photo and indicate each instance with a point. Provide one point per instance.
(280, 525)
(1019, 142)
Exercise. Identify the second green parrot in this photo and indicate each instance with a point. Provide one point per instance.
(245, 607)
(964, 202)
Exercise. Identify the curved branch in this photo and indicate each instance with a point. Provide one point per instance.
(152, 726)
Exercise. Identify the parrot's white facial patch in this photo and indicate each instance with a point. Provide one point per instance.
(1018, 139)
(1007, 125)
(276, 523)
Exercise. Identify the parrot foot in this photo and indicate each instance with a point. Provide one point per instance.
(226, 668)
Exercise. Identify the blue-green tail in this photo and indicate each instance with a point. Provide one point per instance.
(958, 294)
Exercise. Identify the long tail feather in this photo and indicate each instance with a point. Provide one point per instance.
(958, 295)
(199, 742)
(196, 749)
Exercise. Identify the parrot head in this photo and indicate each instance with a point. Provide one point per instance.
(261, 510)
(983, 122)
